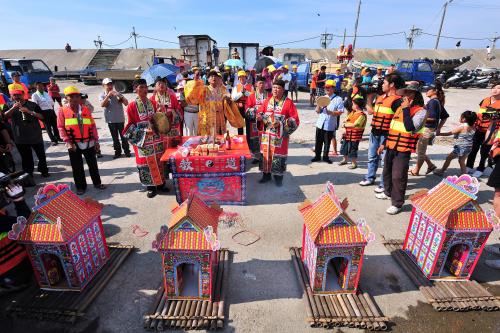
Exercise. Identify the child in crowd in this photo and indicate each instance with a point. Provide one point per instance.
(464, 134)
(354, 128)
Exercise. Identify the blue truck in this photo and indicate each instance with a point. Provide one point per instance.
(416, 70)
(32, 70)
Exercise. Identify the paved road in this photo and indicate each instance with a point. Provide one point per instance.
(264, 294)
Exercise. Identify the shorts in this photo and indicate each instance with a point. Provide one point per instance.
(320, 91)
(313, 91)
(494, 180)
(461, 150)
(349, 148)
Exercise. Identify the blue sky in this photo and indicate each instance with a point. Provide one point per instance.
(50, 24)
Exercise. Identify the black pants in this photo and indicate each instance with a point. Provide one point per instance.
(50, 122)
(116, 130)
(240, 130)
(323, 139)
(477, 142)
(27, 157)
(396, 165)
(76, 160)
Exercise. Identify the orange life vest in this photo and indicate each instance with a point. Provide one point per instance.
(485, 113)
(11, 254)
(383, 112)
(354, 133)
(72, 128)
(399, 138)
(2, 101)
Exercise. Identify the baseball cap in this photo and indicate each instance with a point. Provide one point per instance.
(107, 80)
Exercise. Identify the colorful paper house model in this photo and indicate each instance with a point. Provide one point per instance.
(332, 245)
(447, 229)
(189, 249)
(64, 239)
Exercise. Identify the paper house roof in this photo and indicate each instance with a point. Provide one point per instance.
(187, 225)
(43, 225)
(452, 206)
(320, 220)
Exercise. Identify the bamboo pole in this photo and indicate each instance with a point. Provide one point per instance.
(194, 324)
(185, 314)
(224, 286)
(167, 322)
(328, 315)
(372, 324)
(163, 312)
(359, 306)
(181, 305)
(308, 291)
(375, 310)
(352, 315)
(302, 284)
(152, 308)
(202, 314)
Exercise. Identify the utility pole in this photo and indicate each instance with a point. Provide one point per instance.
(343, 40)
(98, 42)
(442, 21)
(414, 32)
(494, 41)
(135, 36)
(356, 25)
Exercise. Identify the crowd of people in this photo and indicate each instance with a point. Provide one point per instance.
(261, 107)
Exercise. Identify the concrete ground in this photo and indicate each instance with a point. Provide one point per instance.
(264, 294)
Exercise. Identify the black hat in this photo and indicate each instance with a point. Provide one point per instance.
(260, 78)
(139, 82)
(160, 79)
(279, 82)
(212, 73)
(84, 96)
(413, 86)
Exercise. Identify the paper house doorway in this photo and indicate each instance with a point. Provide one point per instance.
(336, 271)
(456, 259)
(54, 271)
(188, 277)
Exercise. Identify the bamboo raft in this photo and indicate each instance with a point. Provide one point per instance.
(335, 310)
(166, 314)
(444, 295)
(67, 306)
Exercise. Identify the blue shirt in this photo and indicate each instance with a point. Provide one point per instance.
(328, 122)
(338, 81)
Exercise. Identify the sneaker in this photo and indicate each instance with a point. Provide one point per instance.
(381, 196)
(45, 175)
(80, 191)
(115, 156)
(470, 171)
(151, 193)
(316, 159)
(494, 249)
(493, 263)
(352, 166)
(393, 210)
(366, 182)
(379, 189)
(127, 154)
(487, 172)
(343, 163)
(327, 160)
(477, 174)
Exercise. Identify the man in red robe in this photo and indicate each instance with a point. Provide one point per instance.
(253, 102)
(148, 145)
(280, 118)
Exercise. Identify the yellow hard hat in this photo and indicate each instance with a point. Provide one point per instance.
(271, 68)
(71, 90)
(294, 66)
(286, 66)
(227, 67)
(242, 73)
(330, 83)
(380, 67)
(16, 89)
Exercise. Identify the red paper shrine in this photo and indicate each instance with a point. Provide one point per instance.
(64, 239)
(189, 249)
(448, 229)
(332, 245)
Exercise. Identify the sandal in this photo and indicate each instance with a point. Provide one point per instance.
(342, 163)
(411, 172)
(100, 186)
(430, 169)
(352, 166)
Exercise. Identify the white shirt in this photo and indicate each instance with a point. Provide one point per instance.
(43, 100)
(179, 77)
(287, 77)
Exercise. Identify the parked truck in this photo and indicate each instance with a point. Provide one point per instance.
(249, 52)
(416, 70)
(123, 78)
(307, 68)
(293, 58)
(197, 49)
(32, 70)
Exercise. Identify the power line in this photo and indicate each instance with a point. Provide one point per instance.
(114, 45)
(295, 41)
(157, 39)
(451, 37)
